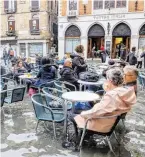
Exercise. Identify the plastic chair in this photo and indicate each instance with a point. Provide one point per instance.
(45, 113)
(49, 92)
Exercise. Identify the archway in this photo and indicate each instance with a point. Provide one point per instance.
(142, 37)
(120, 34)
(72, 38)
(95, 38)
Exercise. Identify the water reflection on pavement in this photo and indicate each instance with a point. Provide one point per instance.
(20, 140)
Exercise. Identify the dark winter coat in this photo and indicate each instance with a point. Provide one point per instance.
(67, 74)
(46, 73)
(131, 58)
(143, 55)
(79, 65)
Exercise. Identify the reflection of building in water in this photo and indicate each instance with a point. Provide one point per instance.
(29, 26)
(100, 22)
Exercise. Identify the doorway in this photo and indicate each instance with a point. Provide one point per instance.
(95, 38)
(121, 33)
(94, 41)
(116, 41)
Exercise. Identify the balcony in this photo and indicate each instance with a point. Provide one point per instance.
(33, 9)
(11, 33)
(35, 32)
(10, 11)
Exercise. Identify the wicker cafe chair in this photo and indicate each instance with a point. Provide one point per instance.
(106, 135)
(3, 95)
(49, 92)
(142, 79)
(45, 113)
(59, 85)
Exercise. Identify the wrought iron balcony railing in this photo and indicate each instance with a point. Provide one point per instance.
(11, 33)
(35, 32)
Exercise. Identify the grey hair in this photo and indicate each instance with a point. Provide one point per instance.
(115, 76)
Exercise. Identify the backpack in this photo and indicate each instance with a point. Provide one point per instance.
(134, 60)
(89, 76)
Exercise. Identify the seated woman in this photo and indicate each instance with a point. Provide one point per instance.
(130, 77)
(46, 73)
(117, 100)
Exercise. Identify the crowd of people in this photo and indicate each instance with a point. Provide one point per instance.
(120, 86)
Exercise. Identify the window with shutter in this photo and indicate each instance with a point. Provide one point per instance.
(11, 27)
(10, 6)
(98, 4)
(34, 26)
(121, 4)
(109, 4)
(34, 5)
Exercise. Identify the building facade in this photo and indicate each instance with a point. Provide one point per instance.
(100, 23)
(28, 26)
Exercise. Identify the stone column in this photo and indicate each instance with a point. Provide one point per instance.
(61, 47)
(134, 41)
(44, 48)
(27, 53)
(84, 42)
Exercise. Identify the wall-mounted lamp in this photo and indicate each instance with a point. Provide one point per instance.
(108, 28)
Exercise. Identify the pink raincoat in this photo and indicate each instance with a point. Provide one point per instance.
(114, 102)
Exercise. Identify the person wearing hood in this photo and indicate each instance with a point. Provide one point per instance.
(46, 73)
(117, 100)
(67, 74)
(78, 63)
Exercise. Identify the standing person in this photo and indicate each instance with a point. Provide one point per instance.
(131, 58)
(93, 52)
(38, 60)
(5, 56)
(139, 59)
(123, 53)
(143, 55)
(78, 62)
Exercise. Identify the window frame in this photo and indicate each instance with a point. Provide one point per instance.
(11, 20)
(98, 1)
(109, 4)
(121, 4)
(31, 5)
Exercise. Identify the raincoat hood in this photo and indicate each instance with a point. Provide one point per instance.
(124, 95)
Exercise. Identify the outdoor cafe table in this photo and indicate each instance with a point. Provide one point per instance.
(77, 96)
(85, 83)
(26, 76)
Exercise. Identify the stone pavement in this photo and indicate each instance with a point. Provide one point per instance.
(19, 138)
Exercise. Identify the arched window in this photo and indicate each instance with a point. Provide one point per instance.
(11, 24)
(142, 37)
(34, 24)
(72, 38)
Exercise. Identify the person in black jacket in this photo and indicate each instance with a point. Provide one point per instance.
(78, 62)
(131, 58)
(46, 73)
(67, 74)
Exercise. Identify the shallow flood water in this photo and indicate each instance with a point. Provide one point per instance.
(19, 138)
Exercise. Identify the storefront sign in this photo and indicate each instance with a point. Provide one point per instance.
(109, 17)
(141, 43)
(108, 45)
